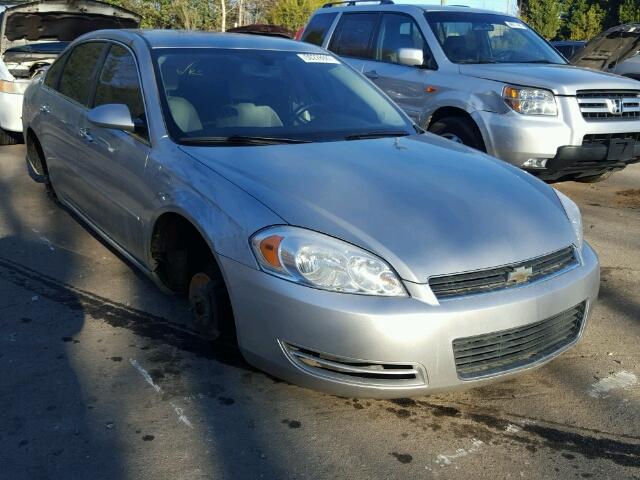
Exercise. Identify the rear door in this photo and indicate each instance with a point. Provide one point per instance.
(113, 161)
(406, 85)
(353, 37)
(66, 100)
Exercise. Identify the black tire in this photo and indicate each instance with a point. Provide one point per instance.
(210, 305)
(595, 178)
(9, 138)
(459, 129)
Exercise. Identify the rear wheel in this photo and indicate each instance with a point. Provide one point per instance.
(594, 178)
(459, 130)
(38, 166)
(9, 138)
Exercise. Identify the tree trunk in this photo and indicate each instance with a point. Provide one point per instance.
(223, 21)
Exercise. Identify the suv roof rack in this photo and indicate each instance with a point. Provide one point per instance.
(352, 3)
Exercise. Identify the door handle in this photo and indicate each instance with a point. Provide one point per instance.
(85, 134)
(45, 109)
(372, 74)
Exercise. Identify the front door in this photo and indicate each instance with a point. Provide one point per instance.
(408, 86)
(113, 161)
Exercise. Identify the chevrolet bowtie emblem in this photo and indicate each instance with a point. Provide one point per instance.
(520, 275)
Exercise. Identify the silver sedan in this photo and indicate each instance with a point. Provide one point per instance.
(305, 216)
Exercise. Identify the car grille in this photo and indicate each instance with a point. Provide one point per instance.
(348, 370)
(499, 278)
(609, 104)
(496, 352)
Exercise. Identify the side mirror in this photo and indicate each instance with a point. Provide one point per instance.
(115, 116)
(412, 57)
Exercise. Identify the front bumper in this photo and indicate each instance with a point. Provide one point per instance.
(561, 140)
(11, 112)
(272, 314)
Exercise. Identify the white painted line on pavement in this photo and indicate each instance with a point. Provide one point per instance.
(178, 410)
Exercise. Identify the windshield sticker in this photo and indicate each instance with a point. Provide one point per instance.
(515, 25)
(317, 58)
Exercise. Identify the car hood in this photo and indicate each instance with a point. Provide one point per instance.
(424, 204)
(609, 48)
(560, 79)
(60, 20)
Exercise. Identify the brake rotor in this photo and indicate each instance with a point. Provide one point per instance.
(202, 301)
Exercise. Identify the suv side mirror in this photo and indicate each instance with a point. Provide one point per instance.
(115, 116)
(412, 57)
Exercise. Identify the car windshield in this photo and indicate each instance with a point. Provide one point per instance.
(244, 96)
(467, 37)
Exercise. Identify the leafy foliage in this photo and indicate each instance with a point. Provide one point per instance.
(629, 11)
(543, 16)
(293, 14)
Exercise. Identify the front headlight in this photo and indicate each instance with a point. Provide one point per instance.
(530, 101)
(17, 88)
(316, 260)
(573, 213)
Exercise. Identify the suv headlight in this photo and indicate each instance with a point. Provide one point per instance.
(530, 101)
(573, 213)
(7, 86)
(317, 260)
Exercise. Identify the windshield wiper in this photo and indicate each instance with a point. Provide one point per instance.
(390, 133)
(541, 61)
(239, 140)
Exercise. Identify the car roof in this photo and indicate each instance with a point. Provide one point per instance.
(403, 7)
(191, 39)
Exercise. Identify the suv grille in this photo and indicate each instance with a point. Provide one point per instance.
(496, 352)
(503, 277)
(609, 104)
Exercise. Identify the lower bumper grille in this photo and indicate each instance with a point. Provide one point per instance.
(503, 277)
(354, 371)
(497, 352)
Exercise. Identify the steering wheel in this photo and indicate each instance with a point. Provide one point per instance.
(296, 115)
(505, 55)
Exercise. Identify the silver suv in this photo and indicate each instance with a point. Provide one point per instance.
(489, 81)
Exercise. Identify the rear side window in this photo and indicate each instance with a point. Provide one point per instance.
(318, 27)
(78, 76)
(353, 35)
(53, 73)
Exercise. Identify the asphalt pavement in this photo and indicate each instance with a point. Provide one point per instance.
(102, 378)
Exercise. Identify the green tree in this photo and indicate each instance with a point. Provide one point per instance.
(293, 14)
(584, 20)
(629, 11)
(543, 16)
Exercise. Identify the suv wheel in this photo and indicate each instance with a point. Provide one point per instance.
(459, 130)
(9, 138)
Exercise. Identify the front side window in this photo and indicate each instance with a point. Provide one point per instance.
(52, 75)
(119, 83)
(318, 27)
(219, 93)
(400, 31)
(467, 37)
(78, 76)
(353, 35)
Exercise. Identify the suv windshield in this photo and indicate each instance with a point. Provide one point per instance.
(467, 37)
(251, 97)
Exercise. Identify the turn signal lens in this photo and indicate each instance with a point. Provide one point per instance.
(7, 86)
(269, 250)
